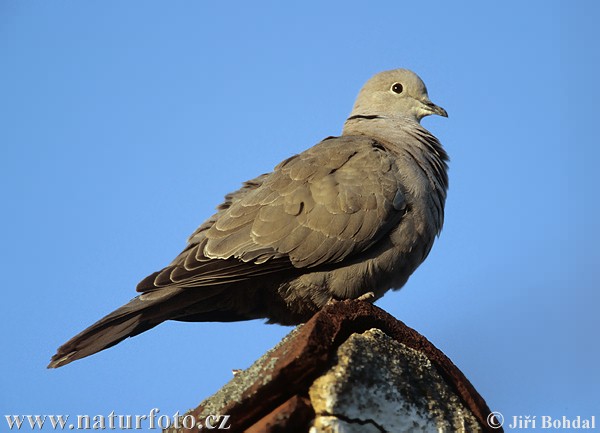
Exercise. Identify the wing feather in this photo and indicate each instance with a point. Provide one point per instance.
(316, 208)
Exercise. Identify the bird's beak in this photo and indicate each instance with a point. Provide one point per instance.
(435, 109)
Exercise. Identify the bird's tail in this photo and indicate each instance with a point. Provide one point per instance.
(133, 318)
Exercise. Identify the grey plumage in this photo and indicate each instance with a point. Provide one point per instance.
(354, 214)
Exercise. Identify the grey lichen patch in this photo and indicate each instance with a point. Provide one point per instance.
(377, 382)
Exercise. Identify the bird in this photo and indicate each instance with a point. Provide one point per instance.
(349, 218)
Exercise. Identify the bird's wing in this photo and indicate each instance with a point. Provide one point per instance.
(316, 208)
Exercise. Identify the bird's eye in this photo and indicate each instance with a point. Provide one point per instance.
(397, 88)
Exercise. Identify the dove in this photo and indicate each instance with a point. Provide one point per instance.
(350, 218)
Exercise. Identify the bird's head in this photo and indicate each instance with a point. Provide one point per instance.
(395, 93)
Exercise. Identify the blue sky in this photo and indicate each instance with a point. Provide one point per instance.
(125, 123)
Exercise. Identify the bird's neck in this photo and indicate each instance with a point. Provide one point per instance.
(375, 125)
(402, 134)
(408, 140)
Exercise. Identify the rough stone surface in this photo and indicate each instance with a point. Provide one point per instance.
(378, 384)
(389, 375)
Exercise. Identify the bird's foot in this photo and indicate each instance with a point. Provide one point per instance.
(367, 297)
(332, 301)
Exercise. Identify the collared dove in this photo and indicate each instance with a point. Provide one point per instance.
(354, 215)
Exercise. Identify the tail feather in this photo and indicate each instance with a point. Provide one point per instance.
(138, 315)
(127, 321)
(142, 313)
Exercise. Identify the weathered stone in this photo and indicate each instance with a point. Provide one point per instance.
(351, 368)
(378, 384)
